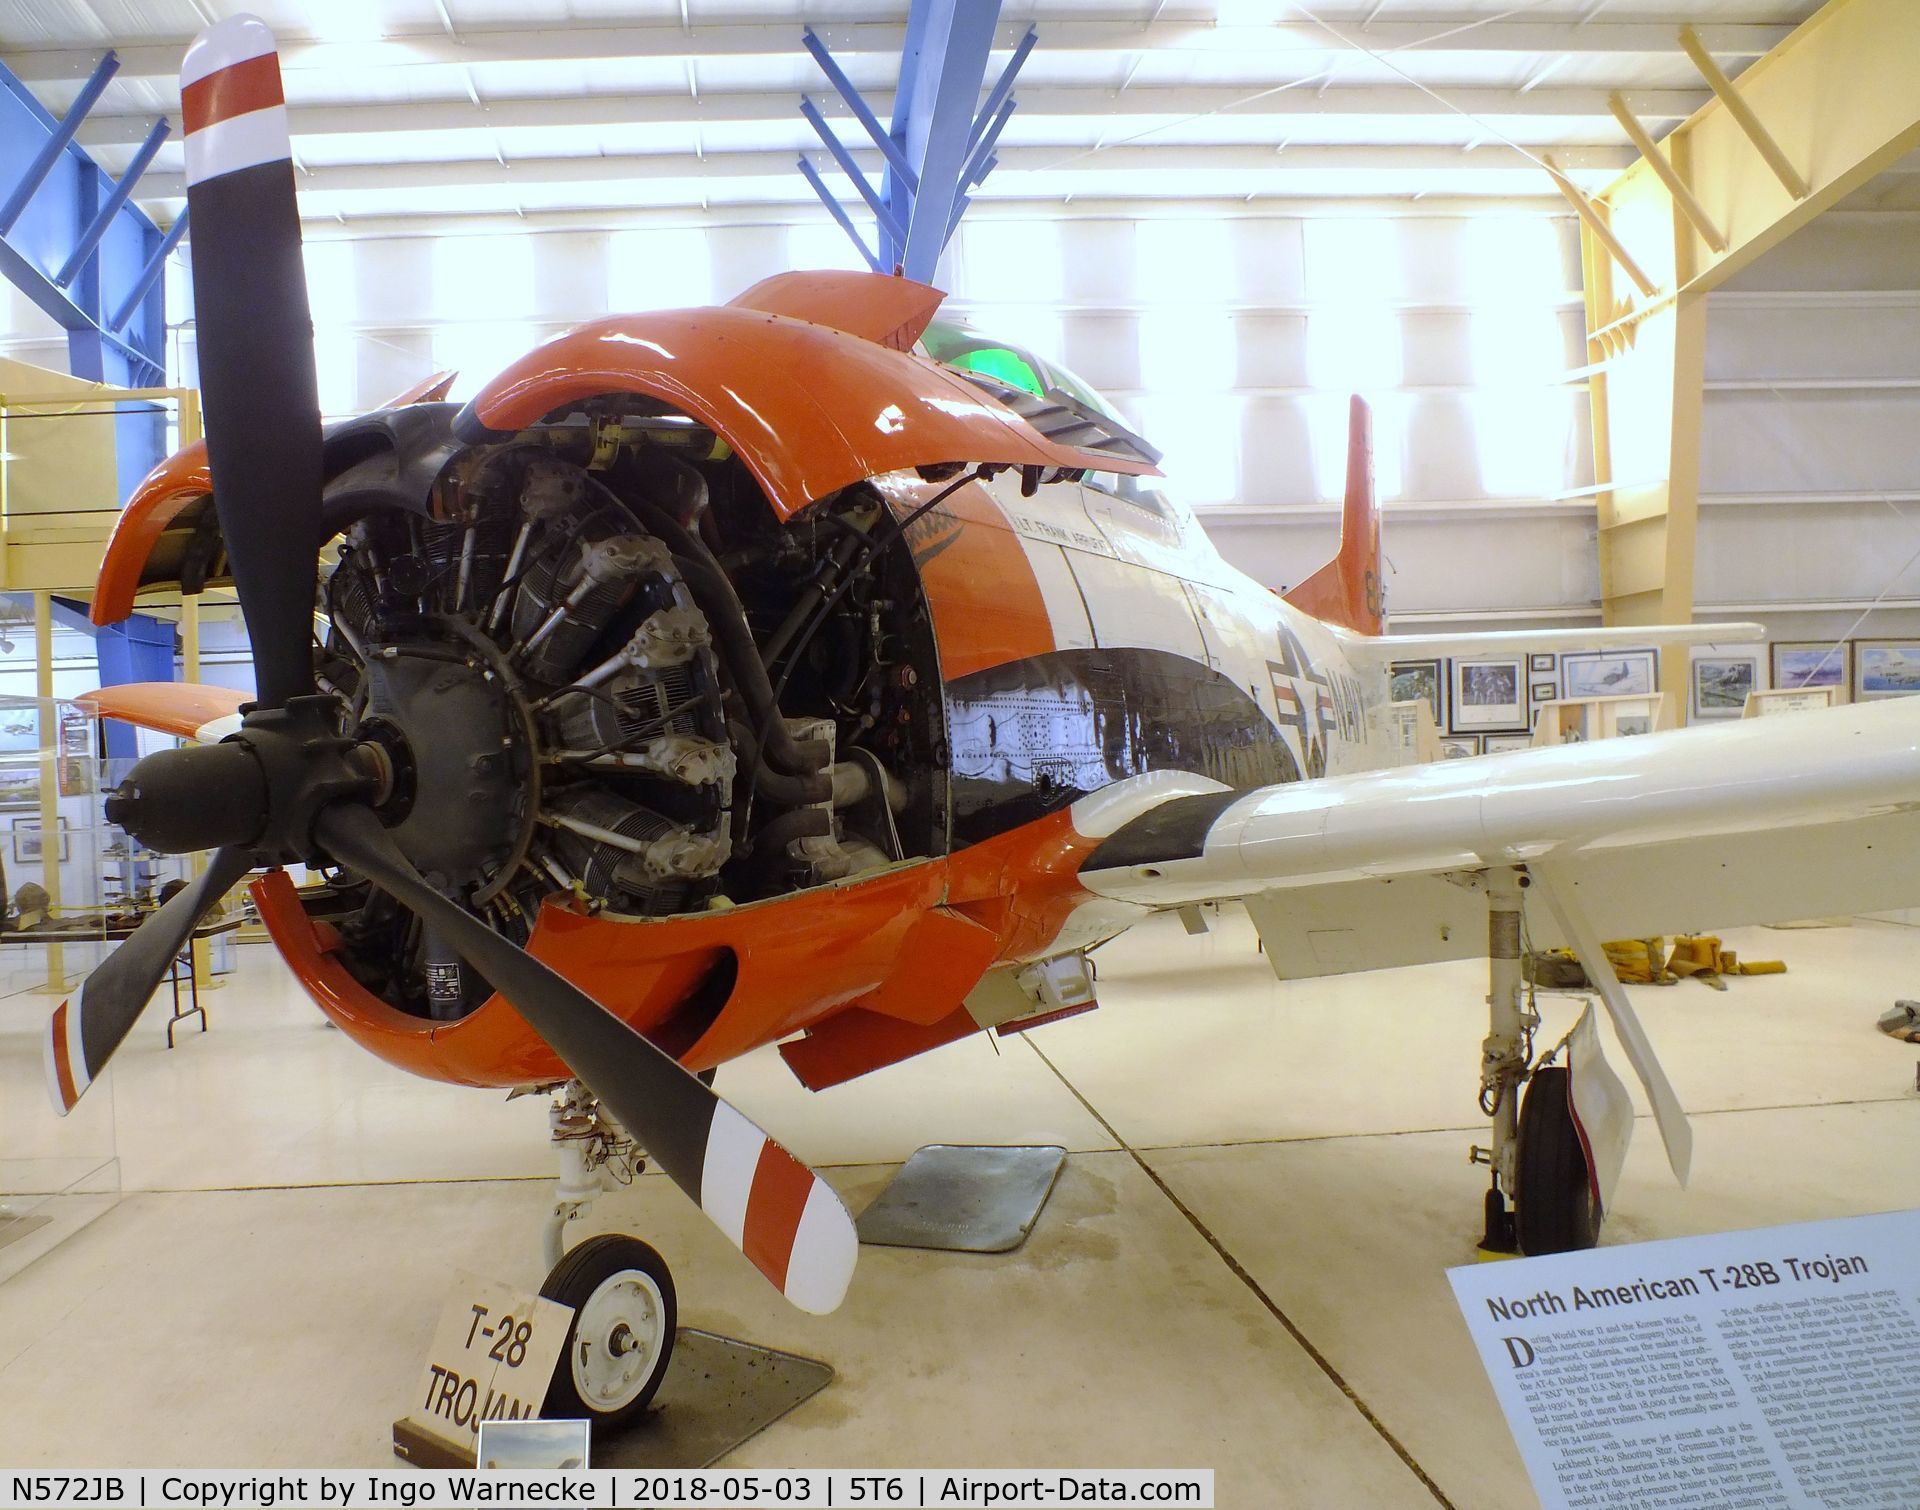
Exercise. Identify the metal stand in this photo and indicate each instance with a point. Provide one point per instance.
(963, 1198)
(719, 1392)
(184, 961)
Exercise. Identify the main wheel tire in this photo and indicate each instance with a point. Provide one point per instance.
(1554, 1207)
(621, 1338)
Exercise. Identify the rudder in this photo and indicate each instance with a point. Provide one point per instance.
(1347, 591)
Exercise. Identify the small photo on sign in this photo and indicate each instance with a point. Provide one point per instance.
(533, 1446)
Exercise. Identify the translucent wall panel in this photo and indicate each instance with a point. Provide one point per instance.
(1231, 338)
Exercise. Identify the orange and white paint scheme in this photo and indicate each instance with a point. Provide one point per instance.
(836, 678)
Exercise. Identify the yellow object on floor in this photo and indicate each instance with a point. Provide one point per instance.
(1647, 962)
(1700, 955)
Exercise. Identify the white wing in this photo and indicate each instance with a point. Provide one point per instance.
(1745, 822)
(1749, 822)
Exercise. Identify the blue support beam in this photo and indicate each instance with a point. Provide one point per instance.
(72, 240)
(889, 225)
(938, 146)
(57, 141)
(841, 217)
(116, 199)
(149, 275)
(975, 170)
(843, 86)
(138, 649)
(953, 61)
(997, 97)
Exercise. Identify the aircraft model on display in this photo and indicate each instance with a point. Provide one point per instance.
(806, 671)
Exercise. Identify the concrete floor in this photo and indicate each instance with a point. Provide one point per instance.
(1243, 1265)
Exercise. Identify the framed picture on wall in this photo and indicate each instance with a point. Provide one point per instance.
(1543, 692)
(1721, 684)
(1620, 673)
(28, 845)
(1885, 668)
(1487, 695)
(1494, 743)
(19, 726)
(1410, 681)
(1803, 664)
(20, 784)
(75, 771)
(1459, 746)
(1537, 664)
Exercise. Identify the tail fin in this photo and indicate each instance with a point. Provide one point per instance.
(1347, 590)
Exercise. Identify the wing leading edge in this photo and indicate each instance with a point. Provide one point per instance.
(1751, 787)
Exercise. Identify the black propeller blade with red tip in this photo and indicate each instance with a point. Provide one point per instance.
(292, 785)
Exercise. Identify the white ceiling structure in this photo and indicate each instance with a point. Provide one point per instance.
(537, 107)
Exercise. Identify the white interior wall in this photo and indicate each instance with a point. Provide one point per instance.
(1809, 478)
(1230, 333)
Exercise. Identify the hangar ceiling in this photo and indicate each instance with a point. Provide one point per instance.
(424, 107)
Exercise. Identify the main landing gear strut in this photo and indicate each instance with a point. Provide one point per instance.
(1540, 1191)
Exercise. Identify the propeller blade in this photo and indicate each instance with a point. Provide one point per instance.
(255, 342)
(87, 1028)
(784, 1217)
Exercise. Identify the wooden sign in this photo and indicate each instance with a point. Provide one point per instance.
(492, 1357)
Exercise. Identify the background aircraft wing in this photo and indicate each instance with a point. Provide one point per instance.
(189, 710)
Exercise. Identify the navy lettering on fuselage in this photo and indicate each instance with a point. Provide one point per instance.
(1314, 705)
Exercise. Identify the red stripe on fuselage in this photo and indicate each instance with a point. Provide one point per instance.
(781, 1186)
(247, 86)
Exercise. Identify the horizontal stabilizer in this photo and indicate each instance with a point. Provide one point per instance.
(1409, 647)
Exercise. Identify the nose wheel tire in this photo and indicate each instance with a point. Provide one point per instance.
(621, 1339)
(1555, 1210)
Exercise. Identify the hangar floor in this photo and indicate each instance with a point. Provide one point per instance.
(1242, 1267)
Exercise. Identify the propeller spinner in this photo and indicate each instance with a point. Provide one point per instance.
(290, 785)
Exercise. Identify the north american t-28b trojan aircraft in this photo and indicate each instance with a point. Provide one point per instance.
(807, 671)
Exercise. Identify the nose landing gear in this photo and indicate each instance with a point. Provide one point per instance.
(620, 1289)
(624, 1318)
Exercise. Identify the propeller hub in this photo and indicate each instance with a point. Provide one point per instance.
(455, 740)
(258, 790)
(197, 797)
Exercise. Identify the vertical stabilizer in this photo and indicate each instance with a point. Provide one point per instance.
(1347, 590)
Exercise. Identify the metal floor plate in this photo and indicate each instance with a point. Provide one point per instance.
(718, 1392)
(963, 1198)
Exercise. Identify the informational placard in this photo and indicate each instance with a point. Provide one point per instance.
(492, 1357)
(1763, 1370)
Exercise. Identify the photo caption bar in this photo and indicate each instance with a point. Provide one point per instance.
(412, 1489)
